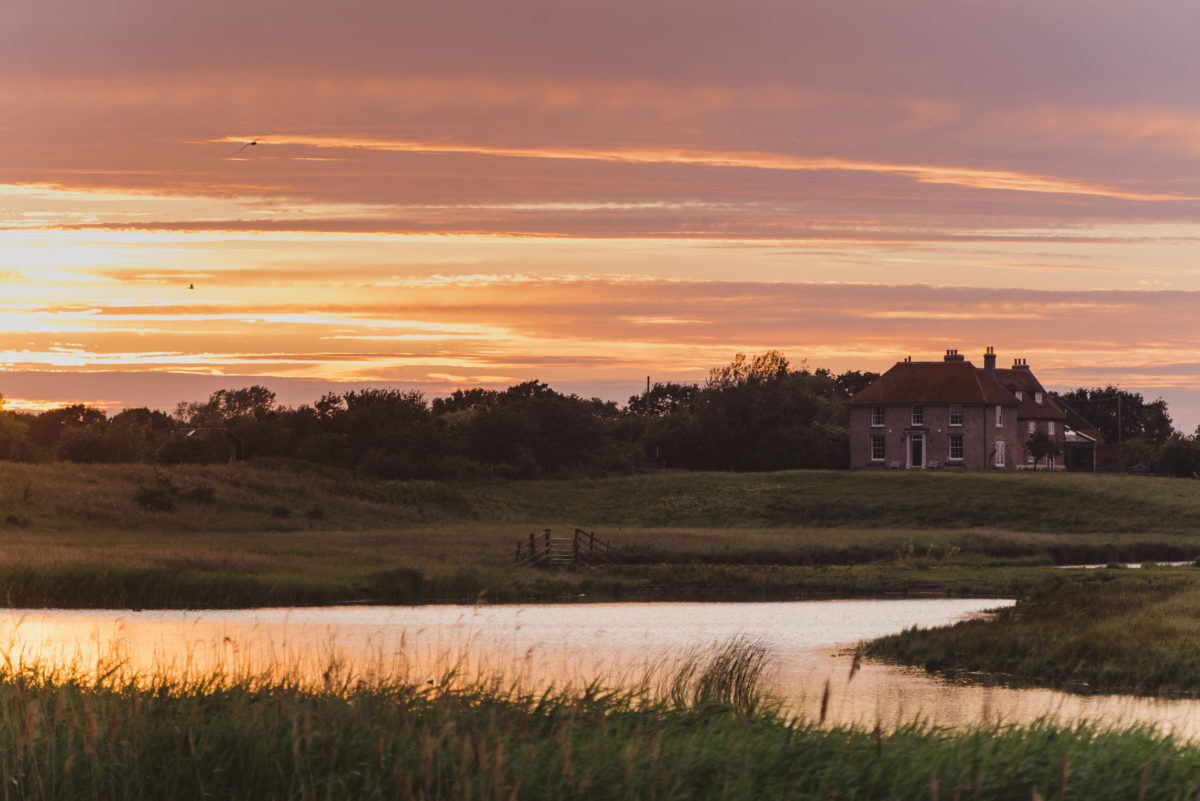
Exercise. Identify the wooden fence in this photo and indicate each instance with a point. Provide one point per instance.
(582, 548)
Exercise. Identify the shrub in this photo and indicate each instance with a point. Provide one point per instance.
(202, 494)
(155, 497)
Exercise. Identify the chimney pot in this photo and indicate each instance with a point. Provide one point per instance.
(989, 361)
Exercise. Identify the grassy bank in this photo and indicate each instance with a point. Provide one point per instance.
(297, 496)
(706, 736)
(1113, 630)
(198, 575)
(254, 534)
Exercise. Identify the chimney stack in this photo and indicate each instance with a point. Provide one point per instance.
(953, 356)
(1020, 364)
(989, 361)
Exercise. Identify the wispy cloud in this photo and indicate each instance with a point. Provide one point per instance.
(922, 173)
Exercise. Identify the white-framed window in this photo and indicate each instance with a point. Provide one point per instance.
(1020, 395)
(918, 415)
(1000, 453)
(878, 449)
(1050, 428)
(1037, 397)
(956, 414)
(877, 416)
(999, 417)
(956, 447)
(1032, 427)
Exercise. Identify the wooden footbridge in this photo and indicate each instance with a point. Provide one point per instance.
(582, 548)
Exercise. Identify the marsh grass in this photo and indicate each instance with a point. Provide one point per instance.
(732, 676)
(283, 533)
(64, 735)
(1108, 630)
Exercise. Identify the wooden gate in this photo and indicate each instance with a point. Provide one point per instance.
(582, 548)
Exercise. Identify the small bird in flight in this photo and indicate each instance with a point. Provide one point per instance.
(251, 143)
(191, 286)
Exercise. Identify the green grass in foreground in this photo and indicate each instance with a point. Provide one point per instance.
(706, 734)
(1113, 630)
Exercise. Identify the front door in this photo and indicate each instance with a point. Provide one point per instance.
(916, 451)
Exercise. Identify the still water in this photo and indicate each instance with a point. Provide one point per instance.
(811, 644)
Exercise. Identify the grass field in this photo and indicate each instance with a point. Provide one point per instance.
(298, 496)
(253, 534)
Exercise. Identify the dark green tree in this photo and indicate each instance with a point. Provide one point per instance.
(662, 399)
(393, 431)
(852, 381)
(758, 414)
(1122, 416)
(1041, 445)
(46, 428)
(14, 438)
(226, 405)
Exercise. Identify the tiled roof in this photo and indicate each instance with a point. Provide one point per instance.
(934, 382)
(1023, 379)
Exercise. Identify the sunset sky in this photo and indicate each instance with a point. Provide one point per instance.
(453, 193)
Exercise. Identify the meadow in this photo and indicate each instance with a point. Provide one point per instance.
(282, 533)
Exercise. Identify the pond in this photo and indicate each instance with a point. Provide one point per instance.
(811, 643)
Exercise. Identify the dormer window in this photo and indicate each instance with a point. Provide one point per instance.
(1037, 397)
(1020, 395)
(918, 415)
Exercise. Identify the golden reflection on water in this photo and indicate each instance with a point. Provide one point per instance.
(533, 647)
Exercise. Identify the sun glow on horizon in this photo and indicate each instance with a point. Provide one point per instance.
(524, 197)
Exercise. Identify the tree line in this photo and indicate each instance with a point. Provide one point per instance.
(755, 413)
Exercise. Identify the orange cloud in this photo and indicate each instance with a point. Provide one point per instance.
(933, 174)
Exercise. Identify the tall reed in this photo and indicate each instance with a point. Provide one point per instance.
(244, 737)
(732, 676)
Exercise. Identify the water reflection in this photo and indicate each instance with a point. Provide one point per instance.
(565, 644)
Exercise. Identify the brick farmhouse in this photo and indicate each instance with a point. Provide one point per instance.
(950, 413)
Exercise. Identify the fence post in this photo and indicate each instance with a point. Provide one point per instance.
(532, 549)
(592, 542)
(547, 543)
(575, 543)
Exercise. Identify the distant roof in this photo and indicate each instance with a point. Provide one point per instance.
(1023, 379)
(934, 382)
(1078, 422)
